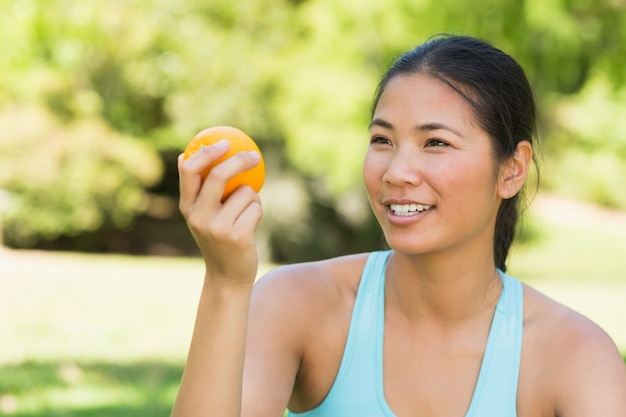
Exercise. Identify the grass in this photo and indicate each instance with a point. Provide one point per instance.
(92, 336)
(572, 254)
(88, 389)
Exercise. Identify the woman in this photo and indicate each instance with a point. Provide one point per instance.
(433, 327)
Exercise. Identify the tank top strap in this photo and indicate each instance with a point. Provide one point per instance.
(496, 389)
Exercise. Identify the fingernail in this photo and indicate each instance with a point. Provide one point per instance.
(255, 155)
(221, 144)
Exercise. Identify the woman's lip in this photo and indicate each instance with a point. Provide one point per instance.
(405, 202)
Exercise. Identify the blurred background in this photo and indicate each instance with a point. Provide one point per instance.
(98, 274)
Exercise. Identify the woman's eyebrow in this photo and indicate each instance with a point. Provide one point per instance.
(382, 123)
(426, 127)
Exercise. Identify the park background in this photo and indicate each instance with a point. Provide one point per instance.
(99, 277)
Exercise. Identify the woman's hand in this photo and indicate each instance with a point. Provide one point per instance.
(224, 232)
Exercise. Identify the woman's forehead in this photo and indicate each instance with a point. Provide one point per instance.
(424, 98)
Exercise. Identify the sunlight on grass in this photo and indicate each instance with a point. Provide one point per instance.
(78, 397)
(86, 307)
(571, 253)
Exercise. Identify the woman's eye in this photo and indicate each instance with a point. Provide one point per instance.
(381, 140)
(436, 143)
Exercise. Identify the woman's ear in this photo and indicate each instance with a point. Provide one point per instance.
(513, 172)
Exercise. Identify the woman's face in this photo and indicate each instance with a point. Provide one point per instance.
(429, 171)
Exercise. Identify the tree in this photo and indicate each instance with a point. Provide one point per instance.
(143, 76)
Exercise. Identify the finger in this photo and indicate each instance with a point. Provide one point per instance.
(215, 183)
(233, 223)
(250, 217)
(234, 209)
(190, 180)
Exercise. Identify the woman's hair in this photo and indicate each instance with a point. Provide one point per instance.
(496, 87)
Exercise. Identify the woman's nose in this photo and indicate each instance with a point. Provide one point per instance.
(403, 169)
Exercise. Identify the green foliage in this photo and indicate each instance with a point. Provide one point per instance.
(298, 76)
(588, 147)
(65, 179)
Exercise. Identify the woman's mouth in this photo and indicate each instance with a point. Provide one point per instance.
(408, 209)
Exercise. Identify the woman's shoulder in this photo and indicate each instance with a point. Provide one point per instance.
(315, 278)
(545, 316)
(572, 358)
(308, 289)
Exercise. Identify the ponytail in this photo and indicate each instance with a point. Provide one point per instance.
(506, 224)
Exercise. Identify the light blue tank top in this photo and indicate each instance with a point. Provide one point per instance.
(358, 388)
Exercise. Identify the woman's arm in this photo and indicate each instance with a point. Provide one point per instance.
(212, 380)
(250, 340)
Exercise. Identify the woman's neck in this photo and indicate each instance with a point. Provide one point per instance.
(441, 291)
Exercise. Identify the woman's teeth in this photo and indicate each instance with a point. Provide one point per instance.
(408, 209)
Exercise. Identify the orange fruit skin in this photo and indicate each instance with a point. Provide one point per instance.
(239, 142)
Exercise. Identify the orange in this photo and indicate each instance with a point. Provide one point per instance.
(239, 142)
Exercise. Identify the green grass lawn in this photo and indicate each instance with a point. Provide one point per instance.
(91, 336)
